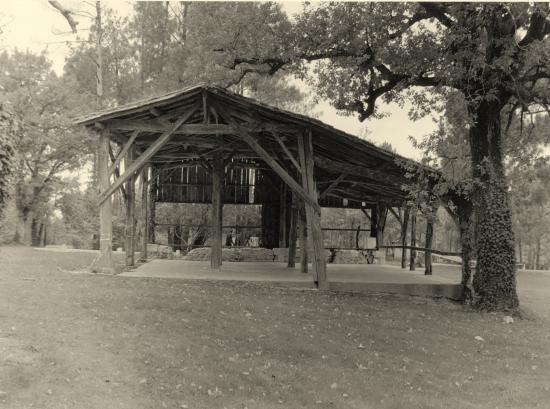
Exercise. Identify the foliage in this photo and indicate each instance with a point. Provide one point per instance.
(530, 199)
(495, 57)
(8, 128)
(46, 143)
(165, 46)
(79, 210)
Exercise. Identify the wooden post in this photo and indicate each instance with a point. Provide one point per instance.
(313, 217)
(273, 164)
(374, 223)
(270, 220)
(152, 205)
(429, 240)
(404, 227)
(293, 233)
(104, 262)
(217, 210)
(282, 215)
(303, 240)
(130, 212)
(413, 240)
(144, 212)
(381, 225)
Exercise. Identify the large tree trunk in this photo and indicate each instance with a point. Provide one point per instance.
(495, 279)
(19, 235)
(28, 217)
(537, 255)
(466, 227)
(35, 232)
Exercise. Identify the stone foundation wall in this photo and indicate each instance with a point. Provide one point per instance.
(232, 254)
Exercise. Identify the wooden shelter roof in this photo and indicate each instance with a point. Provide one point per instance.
(345, 166)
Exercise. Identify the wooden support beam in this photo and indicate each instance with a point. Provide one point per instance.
(117, 174)
(366, 214)
(286, 151)
(334, 183)
(217, 210)
(145, 156)
(130, 214)
(282, 215)
(214, 114)
(368, 200)
(293, 233)
(159, 126)
(413, 241)
(374, 222)
(404, 227)
(282, 173)
(442, 253)
(305, 149)
(144, 212)
(375, 175)
(104, 262)
(382, 217)
(155, 112)
(272, 163)
(428, 252)
(303, 239)
(205, 106)
(122, 154)
(152, 205)
(395, 214)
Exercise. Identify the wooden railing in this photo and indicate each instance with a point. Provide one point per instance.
(424, 249)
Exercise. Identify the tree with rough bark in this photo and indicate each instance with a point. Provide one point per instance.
(8, 128)
(494, 55)
(46, 143)
(524, 137)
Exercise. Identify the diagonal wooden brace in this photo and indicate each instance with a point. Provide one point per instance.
(282, 173)
(145, 156)
(123, 152)
(335, 183)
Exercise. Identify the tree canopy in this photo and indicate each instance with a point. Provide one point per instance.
(45, 141)
(494, 57)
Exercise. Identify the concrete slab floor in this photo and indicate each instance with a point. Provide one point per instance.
(342, 277)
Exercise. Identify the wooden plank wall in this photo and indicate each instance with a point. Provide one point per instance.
(242, 186)
(194, 185)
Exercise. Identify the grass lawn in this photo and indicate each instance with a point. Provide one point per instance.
(91, 341)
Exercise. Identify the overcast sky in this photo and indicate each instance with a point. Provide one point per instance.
(35, 25)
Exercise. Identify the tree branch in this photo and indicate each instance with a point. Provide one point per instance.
(66, 13)
(419, 16)
(437, 10)
(539, 26)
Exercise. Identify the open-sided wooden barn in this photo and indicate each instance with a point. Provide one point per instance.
(204, 144)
